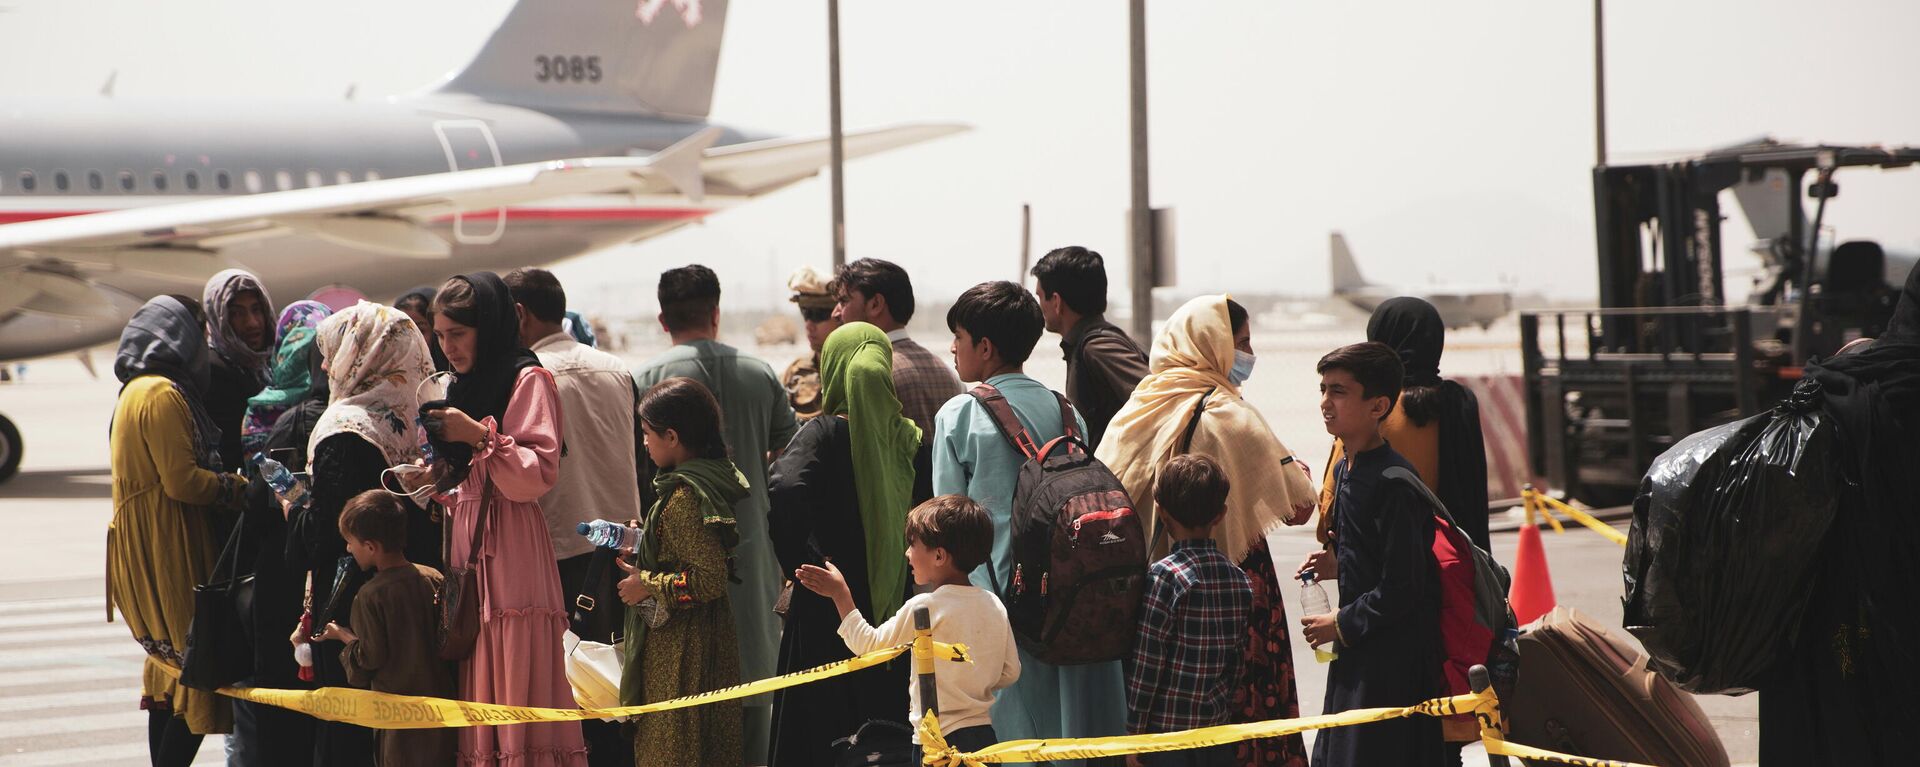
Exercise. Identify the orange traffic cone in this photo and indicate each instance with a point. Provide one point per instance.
(1532, 593)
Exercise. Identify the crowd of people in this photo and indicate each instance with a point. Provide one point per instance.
(462, 434)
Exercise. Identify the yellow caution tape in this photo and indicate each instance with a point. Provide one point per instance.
(940, 754)
(1509, 748)
(1544, 505)
(409, 712)
(1484, 706)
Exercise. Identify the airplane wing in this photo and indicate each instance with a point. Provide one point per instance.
(388, 216)
(755, 167)
(47, 263)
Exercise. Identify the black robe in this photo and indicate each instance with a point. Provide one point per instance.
(1389, 618)
(1845, 693)
(343, 465)
(228, 389)
(815, 516)
(275, 735)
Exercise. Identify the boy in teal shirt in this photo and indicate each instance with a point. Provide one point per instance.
(995, 326)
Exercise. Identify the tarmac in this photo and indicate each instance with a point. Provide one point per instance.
(69, 682)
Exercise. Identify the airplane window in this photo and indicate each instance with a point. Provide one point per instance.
(26, 180)
(159, 181)
(315, 179)
(222, 181)
(283, 179)
(126, 181)
(373, 175)
(252, 179)
(343, 177)
(95, 181)
(193, 181)
(60, 180)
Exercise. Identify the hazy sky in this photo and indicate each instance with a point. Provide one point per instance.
(1448, 140)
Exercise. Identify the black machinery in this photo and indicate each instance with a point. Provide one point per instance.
(1665, 355)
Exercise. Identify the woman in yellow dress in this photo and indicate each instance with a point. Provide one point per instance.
(167, 484)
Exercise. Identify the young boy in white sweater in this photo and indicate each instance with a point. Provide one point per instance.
(947, 537)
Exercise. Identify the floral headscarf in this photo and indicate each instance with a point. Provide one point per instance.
(292, 373)
(376, 361)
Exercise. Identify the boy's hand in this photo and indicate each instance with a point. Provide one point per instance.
(1133, 760)
(1323, 564)
(633, 591)
(299, 635)
(1320, 629)
(337, 633)
(827, 582)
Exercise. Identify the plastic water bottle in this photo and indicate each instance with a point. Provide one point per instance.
(284, 484)
(1313, 601)
(604, 534)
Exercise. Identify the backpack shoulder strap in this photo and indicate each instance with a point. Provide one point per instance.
(1003, 417)
(1401, 474)
(1067, 425)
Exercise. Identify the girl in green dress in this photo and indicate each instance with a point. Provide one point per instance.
(680, 634)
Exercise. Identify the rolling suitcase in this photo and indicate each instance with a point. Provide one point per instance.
(1585, 691)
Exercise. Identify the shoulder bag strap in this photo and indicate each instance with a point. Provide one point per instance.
(1193, 424)
(229, 555)
(479, 536)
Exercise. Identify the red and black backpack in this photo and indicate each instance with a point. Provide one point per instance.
(1079, 550)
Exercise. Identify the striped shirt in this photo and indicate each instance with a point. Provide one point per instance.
(1193, 627)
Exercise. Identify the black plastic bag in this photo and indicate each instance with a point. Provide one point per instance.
(1725, 529)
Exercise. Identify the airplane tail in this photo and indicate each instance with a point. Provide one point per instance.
(1346, 273)
(654, 57)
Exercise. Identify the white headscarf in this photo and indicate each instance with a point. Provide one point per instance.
(216, 299)
(1191, 357)
(376, 360)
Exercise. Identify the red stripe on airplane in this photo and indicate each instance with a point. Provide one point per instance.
(529, 214)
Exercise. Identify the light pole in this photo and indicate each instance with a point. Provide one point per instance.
(1140, 237)
(1599, 88)
(833, 135)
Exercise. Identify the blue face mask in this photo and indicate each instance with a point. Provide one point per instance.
(1242, 367)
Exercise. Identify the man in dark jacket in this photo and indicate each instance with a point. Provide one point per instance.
(1103, 364)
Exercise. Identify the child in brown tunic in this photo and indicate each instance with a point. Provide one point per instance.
(391, 643)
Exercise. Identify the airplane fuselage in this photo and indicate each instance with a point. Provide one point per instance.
(88, 155)
(1458, 309)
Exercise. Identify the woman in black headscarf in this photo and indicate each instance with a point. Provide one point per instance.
(1845, 694)
(497, 440)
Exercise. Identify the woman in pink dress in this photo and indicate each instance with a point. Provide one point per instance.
(499, 436)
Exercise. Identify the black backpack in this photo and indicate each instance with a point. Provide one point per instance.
(1079, 551)
(1490, 585)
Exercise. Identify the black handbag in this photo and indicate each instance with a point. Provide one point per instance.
(219, 652)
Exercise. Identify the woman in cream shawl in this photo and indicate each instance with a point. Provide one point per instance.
(1194, 358)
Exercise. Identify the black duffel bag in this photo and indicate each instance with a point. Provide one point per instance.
(1726, 527)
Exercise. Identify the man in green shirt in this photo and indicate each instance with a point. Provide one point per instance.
(759, 422)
